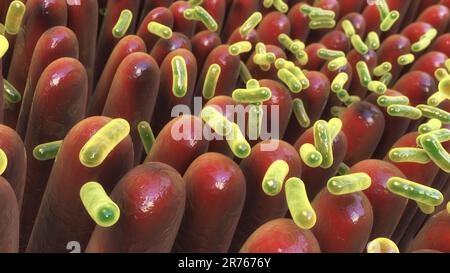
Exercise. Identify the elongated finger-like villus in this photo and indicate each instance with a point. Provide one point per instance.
(299, 206)
(253, 95)
(290, 80)
(121, 27)
(237, 142)
(385, 101)
(328, 54)
(211, 79)
(3, 161)
(298, 107)
(239, 48)
(405, 111)
(337, 63)
(47, 151)
(4, 45)
(405, 59)
(146, 135)
(323, 142)
(377, 87)
(98, 204)
(255, 117)
(273, 180)
(427, 209)
(382, 69)
(435, 151)
(179, 77)
(98, 147)
(310, 156)
(348, 28)
(434, 112)
(372, 40)
(348, 183)
(339, 81)
(415, 191)
(359, 45)
(14, 17)
(409, 154)
(389, 20)
(11, 93)
(363, 73)
(432, 125)
(218, 122)
(382, 245)
(250, 24)
(160, 30)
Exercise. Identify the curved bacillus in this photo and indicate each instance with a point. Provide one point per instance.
(98, 147)
(363, 73)
(409, 154)
(386, 101)
(250, 23)
(300, 208)
(430, 126)
(290, 80)
(239, 48)
(405, 59)
(255, 118)
(349, 183)
(146, 135)
(218, 122)
(382, 245)
(372, 40)
(435, 151)
(3, 161)
(405, 111)
(254, 95)
(11, 93)
(14, 17)
(359, 44)
(4, 45)
(274, 177)
(337, 63)
(179, 76)
(377, 87)
(211, 79)
(389, 20)
(123, 23)
(160, 30)
(382, 69)
(98, 204)
(339, 81)
(415, 191)
(300, 113)
(323, 142)
(237, 142)
(310, 156)
(47, 151)
(434, 112)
